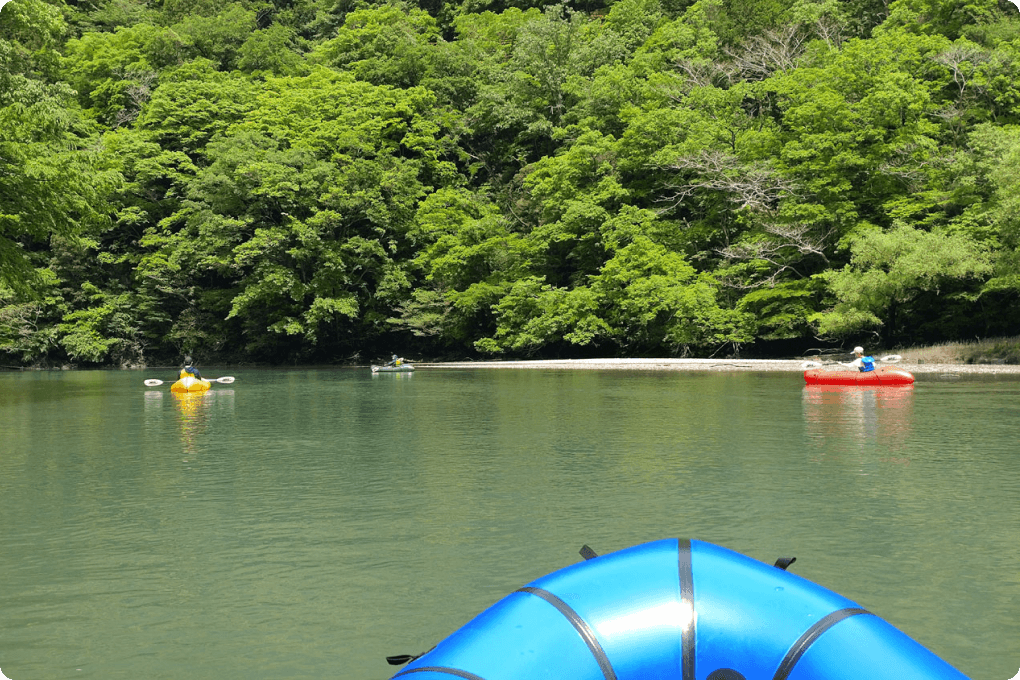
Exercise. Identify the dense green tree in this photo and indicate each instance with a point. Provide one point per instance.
(270, 51)
(108, 15)
(889, 271)
(467, 255)
(386, 45)
(998, 152)
(53, 180)
(942, 17)
(194, 104)
(301, 214)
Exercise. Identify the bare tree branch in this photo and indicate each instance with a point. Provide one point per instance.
(774, 50)
(786, 244)
(755, 186)
(137, 93)
(707, 73)
(830, 30)
(960, 61)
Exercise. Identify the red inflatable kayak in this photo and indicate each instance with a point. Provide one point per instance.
(887, 375)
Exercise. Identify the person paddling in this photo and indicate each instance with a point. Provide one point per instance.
(396, 361)
(861, 363)
(189, 370)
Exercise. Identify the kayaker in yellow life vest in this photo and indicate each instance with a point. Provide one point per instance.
(189, 369)
(396, 361)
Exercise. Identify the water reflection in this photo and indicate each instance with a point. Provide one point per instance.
(860, 413)
(193, 414)
(393, 375)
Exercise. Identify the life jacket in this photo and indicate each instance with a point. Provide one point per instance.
(867, 364)
(185, 373)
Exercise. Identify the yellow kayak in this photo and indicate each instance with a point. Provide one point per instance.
(190, 384)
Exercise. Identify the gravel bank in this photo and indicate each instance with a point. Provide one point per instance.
(707, 365)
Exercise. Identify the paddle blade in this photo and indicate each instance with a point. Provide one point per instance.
(226, 380)
(891, 358)
(811, 364)
(152, 382)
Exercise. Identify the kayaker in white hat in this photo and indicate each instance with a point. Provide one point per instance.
(861, 363)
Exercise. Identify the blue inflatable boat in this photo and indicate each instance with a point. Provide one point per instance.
(676, 610)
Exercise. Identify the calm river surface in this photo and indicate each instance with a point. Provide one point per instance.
(308, 523)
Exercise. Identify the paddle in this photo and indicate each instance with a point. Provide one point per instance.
(226, 380)
(888, 358)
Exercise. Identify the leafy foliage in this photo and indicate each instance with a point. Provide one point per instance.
(303, 180)
(890, 270)
(53, 181)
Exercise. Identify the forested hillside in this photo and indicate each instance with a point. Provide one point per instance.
(333, 180)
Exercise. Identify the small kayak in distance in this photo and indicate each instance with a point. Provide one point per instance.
(403, 368)
(190, 384)
(886, 375)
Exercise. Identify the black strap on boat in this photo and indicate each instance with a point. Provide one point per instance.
(784, 562)
(455, 672)
(688, 635)
(813, 633)
(580, 625)
(587, 553)
(401, 659)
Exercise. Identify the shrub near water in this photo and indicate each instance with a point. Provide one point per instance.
(1002, 352)
(990, 351)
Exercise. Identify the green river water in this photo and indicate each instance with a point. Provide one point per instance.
(306, 523)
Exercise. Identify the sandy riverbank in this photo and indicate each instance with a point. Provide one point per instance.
(708, 365)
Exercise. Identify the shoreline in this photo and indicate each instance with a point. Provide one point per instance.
(752, 365)
(917, 367)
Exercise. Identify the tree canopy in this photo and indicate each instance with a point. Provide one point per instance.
(322, 180)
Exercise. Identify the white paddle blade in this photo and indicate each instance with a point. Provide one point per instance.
(152, 382)
(226, 380)
(891, 358)
(811, 364)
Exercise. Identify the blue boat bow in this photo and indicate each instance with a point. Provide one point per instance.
(677, 610)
